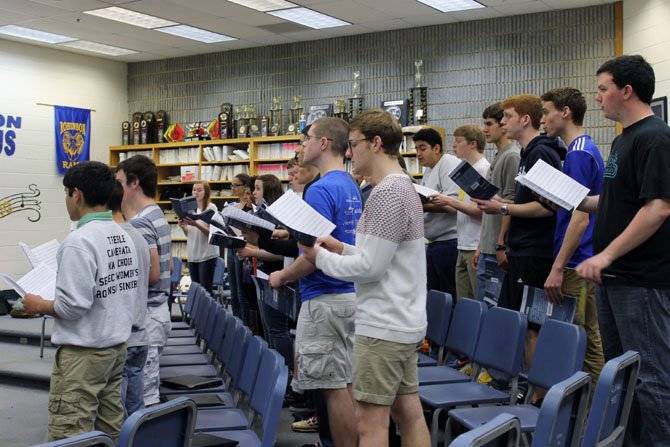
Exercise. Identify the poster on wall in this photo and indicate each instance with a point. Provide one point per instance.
(73, 136)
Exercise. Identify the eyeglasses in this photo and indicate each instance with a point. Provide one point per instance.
(308, 137)
(354, 143)
(236, 185)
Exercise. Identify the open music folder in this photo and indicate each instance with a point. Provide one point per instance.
(302, 221)
(237, 218)
(42, 254)
(425, 191)
(184, 207)
(39, 281)
(472, 183)
(222, 235)
(554, 185)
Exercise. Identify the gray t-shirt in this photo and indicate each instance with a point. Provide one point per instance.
(441, 226)
(502, 172)
(156, 231)
(138, 333)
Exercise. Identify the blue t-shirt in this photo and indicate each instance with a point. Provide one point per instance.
(336, 197)
(584, 164)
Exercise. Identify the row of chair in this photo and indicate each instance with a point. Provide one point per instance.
(494, 339)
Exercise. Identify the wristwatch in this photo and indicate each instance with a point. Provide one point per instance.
(500, 247)
(504, 210)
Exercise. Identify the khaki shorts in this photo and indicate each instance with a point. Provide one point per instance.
(324, 342)
(384, 369)
(85, 391)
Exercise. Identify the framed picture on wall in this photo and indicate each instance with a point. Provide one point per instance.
(660, 108)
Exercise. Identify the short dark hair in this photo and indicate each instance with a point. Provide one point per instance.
(377, 122)
(143, 169)
(272, 188)
(94, 179)
(568, 97)
(430, 136)
(115, 198)
(494, 111)
(243, 178)
(633, 71)
(336, 130)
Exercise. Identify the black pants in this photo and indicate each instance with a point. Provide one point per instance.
(203, 272)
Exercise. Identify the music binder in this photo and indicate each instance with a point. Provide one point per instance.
(235, 217)
(184, 207)
(539, 309)
(200, 399)
(191, 382)
(554, 185)
(202, 439)
(303, 222)
(472, 183)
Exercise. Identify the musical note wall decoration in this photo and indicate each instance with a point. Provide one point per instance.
(24, 201)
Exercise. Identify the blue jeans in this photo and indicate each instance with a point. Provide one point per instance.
(238, 298)
(132, 386)
(484, 279)
(203, 273)
(276, 326)
(441, 259)
(636, 318)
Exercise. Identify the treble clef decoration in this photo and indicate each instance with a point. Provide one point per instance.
(24, 201)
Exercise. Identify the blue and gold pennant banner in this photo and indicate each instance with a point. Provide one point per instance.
(73, 136)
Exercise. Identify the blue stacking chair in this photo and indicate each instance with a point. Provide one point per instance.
(167, 425)
(462, 339)
(90, 439)
(558, 355)
(268, 409)
(199, 315)
(218, 279)
(438, 313)
(563, 413)
(186, 310)
(500, 347)
(271, 371)
(612, 400)
(503, 430)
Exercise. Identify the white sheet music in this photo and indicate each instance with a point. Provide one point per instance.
(262, 275)
(554, 185)
(42, 254)
(425, 191)
(39, 281)
(296, 214)
(236, 213)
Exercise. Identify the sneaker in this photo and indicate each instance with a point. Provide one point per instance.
(310, 425)
(467, 369)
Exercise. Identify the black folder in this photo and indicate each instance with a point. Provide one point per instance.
(201, 400)
(202, 439)
(184, 207)
(190, 382)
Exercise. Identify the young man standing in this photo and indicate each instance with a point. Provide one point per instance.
(439, 222)
(325, 327)
(138, 176)
(530, 236)
(388, 266)
(563, 112)
(96, 291)
(631, 239)
(502, 172)
(469, 145)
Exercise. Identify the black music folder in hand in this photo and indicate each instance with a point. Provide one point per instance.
(302, 221)
(237, 218)
(472, 183)
(184, 207)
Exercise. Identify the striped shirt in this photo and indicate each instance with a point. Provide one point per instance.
(152, 225)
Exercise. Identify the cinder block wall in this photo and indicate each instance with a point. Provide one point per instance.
(466, 66)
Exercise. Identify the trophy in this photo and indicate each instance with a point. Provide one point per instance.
(276, 117)
(226, 128)
(264, 125)
(254, 128)
(125, 133)
(294, 116)
(144, 131)
(161, 125)
(136, 132)
(418, 94)
(242, 116)
(356, 101)
(150, 118)
(340, 110)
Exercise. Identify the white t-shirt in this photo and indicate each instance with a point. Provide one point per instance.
(469, 227)
(198, 248)
(441, 226)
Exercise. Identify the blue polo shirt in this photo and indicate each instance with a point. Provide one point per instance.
(336, 197)
(584, 164)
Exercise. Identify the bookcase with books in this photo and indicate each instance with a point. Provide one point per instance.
(217, 162)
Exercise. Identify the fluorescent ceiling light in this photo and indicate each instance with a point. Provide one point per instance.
(189, 32)
(33, 34)
(309, 18)
(452, 5)
(130, 17)
(98, 48)
(265, 5)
